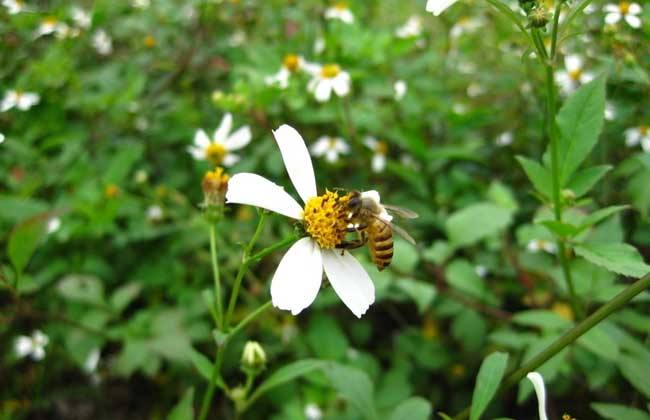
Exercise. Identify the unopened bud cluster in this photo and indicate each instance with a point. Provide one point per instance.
(214, 185)
(538, 15)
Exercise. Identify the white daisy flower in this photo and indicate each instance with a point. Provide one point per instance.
(340, 11)
(540, 391)
(290, 64)
(297, 280)
(19, 99)
(380, 150)
(140, 4)
(14, 6)
(624, 10)
(154, 213)
(537, 245)
(411, 29)
(465, 25)
(81, 17)
(327, 78)
(504, 139)
(51, 25)
(217, 150)
(102, 43)
(438, 6)
(574, 74)
(313, 412)
(33, 346)
(638, 135)
(400, 87)
(610, 111)
(53, 225)
(330, 147)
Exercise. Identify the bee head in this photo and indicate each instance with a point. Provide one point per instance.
(355, 202)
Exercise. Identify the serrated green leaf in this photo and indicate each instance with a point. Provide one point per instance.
(619, 412)
(584, 180)
(288, 373)
(184, 410)
(600, 215)
(580, 121)
(487, 382)
(541, 318)
(538, 175)
(560, 228)
(354, 386)
(619, 258)
(478, 221)
(636, 370)
(414, 408)
(420, 292)
(82, 288)
(598, 342)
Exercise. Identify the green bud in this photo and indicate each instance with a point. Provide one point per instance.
(538, 17)
(253, 357)
(568, 196)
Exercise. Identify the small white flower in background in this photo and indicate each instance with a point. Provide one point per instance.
(326, 79)
(141, 176)
(537, 245)
(92, 361)
(638, 135)
(465, 25)
(624, 10)
(33, 346)
(330, 147)
(297, 280)
(400, 87)
(340, 11)
(411, 29)
(217, 150)
(2, 138)
(540, 391)
(610, 111)
(51, 25)
(504, 139)
(474, 90)
(313, 412)
(291, 63)
(102, 43)
(573, 75)
(237, 38)
(19, 99)
(154, 213)
(438, 6)
(140, 4)
(81, 17)
(481, 271)
(319, 45)
(14, 6)
(459, 108)
(380, 151)
(53, 225)
(590, 9)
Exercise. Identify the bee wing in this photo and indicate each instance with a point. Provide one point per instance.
(404, 234)
(401, 211)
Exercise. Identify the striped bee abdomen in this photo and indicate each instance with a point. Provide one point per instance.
(380, 241)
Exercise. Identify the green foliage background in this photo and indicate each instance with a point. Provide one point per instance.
(108, 141)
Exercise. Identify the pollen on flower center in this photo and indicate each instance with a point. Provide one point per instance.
(291, 62)
(381, 148)
(325, 219)
(575, 74)
(644, 130)
(341, 6)
(330, 71)
(215, 153)
(624, 7)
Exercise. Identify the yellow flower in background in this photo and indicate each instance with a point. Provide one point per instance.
(629, 12)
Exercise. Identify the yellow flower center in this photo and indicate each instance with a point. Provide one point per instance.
(331, 143)
(624, 7)
(111, 191)
(330, 71)
(215, 153)
(341, 6)
(49, 21)
(291, 62)
(149, 41)
(575, 75)
(325, 219)
(381, 148)
(563, 310)
(644, 130)
(214, 181)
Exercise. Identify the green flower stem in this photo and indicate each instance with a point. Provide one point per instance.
(209, 394)
(572, 14)
(215, 272)
(242, 270)
(570, 336)
(266, 251)
(244, 322)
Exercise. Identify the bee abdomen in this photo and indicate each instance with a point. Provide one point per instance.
(381, 245)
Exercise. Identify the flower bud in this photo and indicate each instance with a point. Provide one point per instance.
(253, 357)
(568, 196)
(538, 17)
(214, 185)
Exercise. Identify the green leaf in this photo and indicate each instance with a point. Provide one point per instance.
(538, 175)
(286, 374)
(619, 412)
(560, 228)
(584, 180)
(487, 382)
(540, 318)
(414, 408)
(420, 292)
(598, 342)
(599, 215)
(462, 275)
(473, 223)
(184, 410)
(636, 370)
(580, 121)
(82, 288)
(354, 386)
(619, 258)
(202, 364)
(24, 239)
(124, 295)
(326, 338)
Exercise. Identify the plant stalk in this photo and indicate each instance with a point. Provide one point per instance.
(216, 275)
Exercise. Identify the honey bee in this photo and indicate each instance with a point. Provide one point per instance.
(372, 221)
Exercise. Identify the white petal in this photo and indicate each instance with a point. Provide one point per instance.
(38, 353)
(611, 8)
(323, 90)
(196, 152)
(320, 147)
(612, 18)
(347, 16)
(332, 156)
(297, 280)
(254, 190)
(297, 161)
(632, 136)
(634, 9)
(341, 84)
(23, 346)
(378, 162)
(371, 142)
(341, 146)
(645, 144)
(221, 133)
(230, 159)
(587, 77)
(573, 62)
(438, 6)
(201, 139)
(349, 280)
(633, 21)
(238, 139)
(538, 384)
